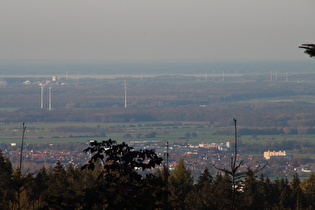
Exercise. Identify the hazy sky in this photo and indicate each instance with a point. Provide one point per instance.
(167, 30)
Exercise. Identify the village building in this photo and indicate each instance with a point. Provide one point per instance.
(270, 154)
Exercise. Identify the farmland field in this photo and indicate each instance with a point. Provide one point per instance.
(164, 131)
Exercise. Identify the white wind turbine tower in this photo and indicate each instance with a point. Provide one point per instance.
(41, 96)
(49, 99)
(125, 88)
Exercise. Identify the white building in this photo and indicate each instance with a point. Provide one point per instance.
(269, 154)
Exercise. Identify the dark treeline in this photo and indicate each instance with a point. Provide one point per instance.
(255, 119)
(68, 187)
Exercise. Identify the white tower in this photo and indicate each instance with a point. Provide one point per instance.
(42, 96)
(49, 99)
(125, 88)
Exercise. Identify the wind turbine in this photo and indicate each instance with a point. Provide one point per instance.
(41, 96)
(49, 99)
(125, 88)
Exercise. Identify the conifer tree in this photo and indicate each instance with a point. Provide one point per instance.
(201, 195)
(6, 193)
(205, 178)
(253, 192)
(75, 186)
(265, 187)
(284, 198)
(308, 188)
(58, 188)
(180, 185)
(25, 201)
(93, 188)
(37, 188)
(222, 191)
(296, 192)
(162, 175)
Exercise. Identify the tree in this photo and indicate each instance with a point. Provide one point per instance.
(222, 191)
(204, 179)
(150, 135)
(265, 190)
(180, 185)
(194, 134)
(201, 196)
(37, 187)
(60, 194)
(187, 135)
(296, 192)
(308, 187)
(93, 188)
(309, 49)
(253, 191)
(120, 183)
(6, 193)
(284, 193)
(127, 136)
(120, 157)
(162, 175)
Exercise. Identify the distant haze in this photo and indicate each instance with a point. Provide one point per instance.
(73, 68)
(156, 30)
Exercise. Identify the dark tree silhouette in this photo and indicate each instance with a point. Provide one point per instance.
(180, 185)
(202, 194)
(120, 157)
(37, 187)
(121, 184)
(309, 49)
(6, 185)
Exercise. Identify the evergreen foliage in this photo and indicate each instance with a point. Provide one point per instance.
(180, 184)
(200, 196)
(6, 172)
(309, 49)
(308, 190)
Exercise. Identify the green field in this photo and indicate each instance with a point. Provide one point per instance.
(164, 131)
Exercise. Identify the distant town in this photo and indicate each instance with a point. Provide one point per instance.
(197, 157)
